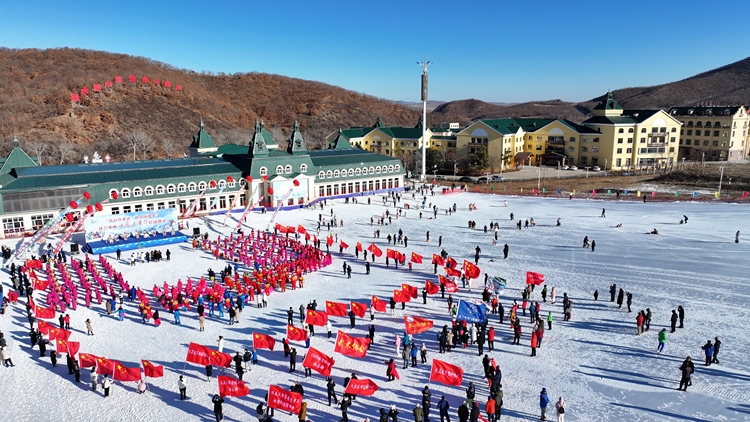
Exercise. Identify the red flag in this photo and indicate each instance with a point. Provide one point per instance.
(39, 284)
(290, 229)
(412, 290)
(451, 263)
(446, 373)
(316, 318)
(416, 325)
(336, 308)
(123, 373)
(329, 240)
(390, 253)
(295, 334)
(379, 304)
(61, 345)
(375, 250)
(471, 270)
(359, 309)
(263, 341)
(301, 230)
(105, 366)
(73, 348)
(437, 259)
(401, 296)
(431, 287)
(43, 326)
(359, 246)
(281, 399)
(400, 257)
(361, 387)
(87, 360)
(233, 387)
(198, 354)
(46, 313)
(218, 358)
(416, 258)
(351, 346)
(58, 333)
(318, 362)
(151, 370)
(451, 272)
(450, 286)
(343, 245)
(534, 278)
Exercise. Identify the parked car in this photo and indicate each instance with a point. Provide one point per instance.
(482, 179)
(596, 168)
(439, 177)
(565, 167)
(498, 178)
(572, 168)
(465, 179)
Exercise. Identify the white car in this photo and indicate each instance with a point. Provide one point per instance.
(596, 168)
(565, 167)
(572, 168)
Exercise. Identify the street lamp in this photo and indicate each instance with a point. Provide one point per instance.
(683, 163)
(539, 180)
(605, 166)
(434, 172)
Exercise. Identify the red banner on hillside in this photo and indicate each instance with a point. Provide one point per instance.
(351, 346)
(359, 309)
(318, 362)
(336, 308)
(359, 247)
(44, 313)
(446, 373)
(451, 272)
(287, 401)
(58, 333)
(416, 325)
(43, 327)
(361, 387)
(232, 387)
(263, 341)
(198, 354)
(73, 348)
(343, 244)
(390, 253)
(296, 334)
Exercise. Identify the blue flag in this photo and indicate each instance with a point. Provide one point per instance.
(471, 312)
(497, 284)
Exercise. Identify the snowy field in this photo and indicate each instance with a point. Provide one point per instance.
(604, 371)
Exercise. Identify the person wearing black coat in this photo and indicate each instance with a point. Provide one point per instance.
(393, 413)
(77, 370)
(293, 360)
(717, 344)
(470, 393)
(612, 291)
(474, 415)
(351, 319)
(674, 320)
(42, 346)
(330, 389)
(463, 413)
(687, 369)
(69, 360)
(681, 313)
(345, 403)
(383, 415)
(290, 316)
(426, 395)
(218, 409)
(34, 337)
(629, 300)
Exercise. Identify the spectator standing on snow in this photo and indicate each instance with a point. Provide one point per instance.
(681, 314)
(560, 407)
(218, 410)
(717, 344)
(106, 384)
(674, 320)
(687, 369)
(183, 388)
(543, 402)
(708, 349)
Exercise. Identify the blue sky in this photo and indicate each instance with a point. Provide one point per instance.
(509, 51)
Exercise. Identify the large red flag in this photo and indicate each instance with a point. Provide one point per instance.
(263, 341)
(105, 366)
(39, 284)
(375, 250)
(316, 318)
(329, 240)
(534, 278)
(301, 230)
(452, 272)
(359, 246)
(43, 326)
(451, 263)
(390, 253)
(437, 259)
(416, 325)
(318, 362)
(416, 258)
(400, 257)
(198, 354)
(218, 358)
(471, 270)
(450, 286)
(87, 360)
(61, 345)
(58, 333)
(343, 244)
(412, 290)
(122, 373)
(379, 304)
(281, 399)
(233, 387)
(295, 334)
(401, 296)
(359, 309)
(446, 373)
(431, 287)
(45, 313)
(336, 308)
(361, 387)
(73, 348)
(351, 346)
(151, 370)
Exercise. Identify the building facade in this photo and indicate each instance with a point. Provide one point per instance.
(713, 133)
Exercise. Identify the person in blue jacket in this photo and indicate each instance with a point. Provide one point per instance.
(708, 348)
(543, 402)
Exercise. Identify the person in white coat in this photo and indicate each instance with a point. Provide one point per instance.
(141, 386)
(93, 378)
(5, 354)
(183, 388)
(329, 327)
(221, 343)
(106, 384)
(560, 407)
(473, 333)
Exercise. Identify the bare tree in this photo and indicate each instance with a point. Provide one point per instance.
(38, 147)
(147, 144)
(168, 146)
(63, 149)
(138, 140)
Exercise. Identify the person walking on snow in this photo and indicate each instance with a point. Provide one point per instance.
(737, 237)
(183, 388)
(543, 402)
(687, 369)
(560, 407)
(662, 340)
(708, 349)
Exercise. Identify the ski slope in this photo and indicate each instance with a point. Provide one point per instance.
(604, 371)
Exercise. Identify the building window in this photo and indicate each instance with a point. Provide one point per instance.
(202, 185)
(192, 187)
(594, 149)
(629, 151)
(37, 221)
(687, 142)
(321, 175)
(172, 204)
(697, 133)
(584, 159)
(288, 169)
(279, 169)
(643, 130)
(674, 130)
(619, 140)
(619, 150)
(126, 209)
(139, 207)
(690, 132)
(160, 190)
(397, 168)
(115, 210)
(372, 170)
(222, 183)
(390, 169)
(329, 174)
(137, 191)
(643, 140)
(377, 170)
(336, 173)
(630, 130)
(358, 172)
(672, 139)
(630, 140)
(263, 171)
(716, 143)
(181, 188)
(13, 225)
(584, 148)
(621, 130)
(571, 149)
(160, 206)
(303, 168)
(671, 149)
(705, 143)
(716, 133)
(170, 189)
(351, 172)
(618, 162)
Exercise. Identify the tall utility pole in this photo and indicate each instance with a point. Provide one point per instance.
(424, 65)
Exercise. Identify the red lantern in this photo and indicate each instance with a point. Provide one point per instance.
(270, 191)
(295, 183)
(230, 179)
(265, 177)
(70, 217)
(87, 195)
(212, 183)
(73, 204)
(249, 179)
(98, 206)
(114, 194)
(89, 209)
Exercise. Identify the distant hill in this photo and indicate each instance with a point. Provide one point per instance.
(727, 85)
(35, 104)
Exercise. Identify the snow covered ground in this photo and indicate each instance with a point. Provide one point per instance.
(596, 362)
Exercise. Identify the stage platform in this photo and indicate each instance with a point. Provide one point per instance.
(101, 247)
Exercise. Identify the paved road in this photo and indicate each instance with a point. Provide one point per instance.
(530, 173)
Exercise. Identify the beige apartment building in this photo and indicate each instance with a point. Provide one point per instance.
(717, 133)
